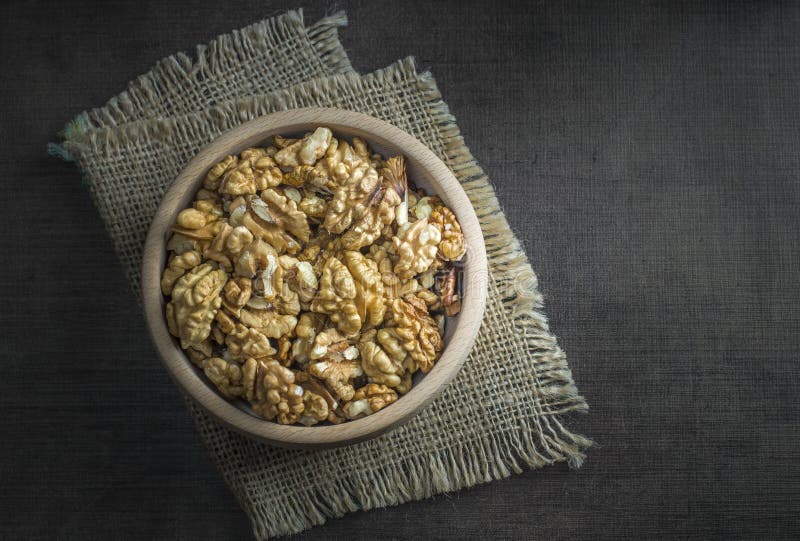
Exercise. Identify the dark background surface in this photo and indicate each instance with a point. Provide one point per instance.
(647, 155)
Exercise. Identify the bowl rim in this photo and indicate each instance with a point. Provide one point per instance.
(255, 131)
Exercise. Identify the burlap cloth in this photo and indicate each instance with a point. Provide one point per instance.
(503, 412)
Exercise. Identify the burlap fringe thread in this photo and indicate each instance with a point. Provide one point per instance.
(211, 59)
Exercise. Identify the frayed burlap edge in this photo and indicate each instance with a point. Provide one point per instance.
(211, 58)
(215, 57)
(493, 456)
(540, 441)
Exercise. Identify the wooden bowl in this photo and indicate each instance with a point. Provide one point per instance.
(424, 169)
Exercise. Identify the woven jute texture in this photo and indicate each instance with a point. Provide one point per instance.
(503, 412)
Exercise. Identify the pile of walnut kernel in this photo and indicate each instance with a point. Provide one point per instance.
(309, 279)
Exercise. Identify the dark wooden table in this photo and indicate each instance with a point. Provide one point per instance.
(648, 156)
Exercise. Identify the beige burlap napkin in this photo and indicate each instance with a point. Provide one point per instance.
(503, 412)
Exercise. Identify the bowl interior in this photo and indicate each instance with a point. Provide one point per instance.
(424, 170)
